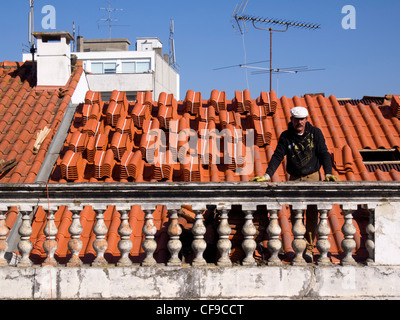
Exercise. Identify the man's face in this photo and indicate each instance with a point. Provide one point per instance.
(299, 125)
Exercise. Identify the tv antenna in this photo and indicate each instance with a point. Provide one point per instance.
(31, 24)
(262, 70)
(285, 70)
(172, 58)
(243, 65)
(109, 19)
(239, 16)
(31, 38)
(277, 71)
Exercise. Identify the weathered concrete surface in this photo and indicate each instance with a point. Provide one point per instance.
(387, 235)
(289, 282)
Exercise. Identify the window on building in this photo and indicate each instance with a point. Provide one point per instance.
(130, 95)
(128, 67)
(135, 66)
(97, 67)
(110, 67)
(104, 67)
(142, 66)
(382, 159)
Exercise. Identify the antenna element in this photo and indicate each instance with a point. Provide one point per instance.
(109, 20)
(281, 22)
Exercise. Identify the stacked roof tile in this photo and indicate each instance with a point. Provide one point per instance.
(210, 140)
(396, 105)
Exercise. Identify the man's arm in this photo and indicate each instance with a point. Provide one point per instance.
(277, 157)
(323, 153)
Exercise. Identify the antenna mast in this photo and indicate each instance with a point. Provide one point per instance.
(73, 35)
(31, 37)
(172, 58)
(280, 22)
(31, 25)
(109, 20)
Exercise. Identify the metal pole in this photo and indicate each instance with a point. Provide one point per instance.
(270, 59)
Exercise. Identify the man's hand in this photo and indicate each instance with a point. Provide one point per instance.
(264, 178)
(331, 177)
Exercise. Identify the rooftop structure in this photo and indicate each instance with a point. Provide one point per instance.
(144, 69)
(90, 45)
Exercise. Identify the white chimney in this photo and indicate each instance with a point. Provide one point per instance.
(53, 58)
(149, 44)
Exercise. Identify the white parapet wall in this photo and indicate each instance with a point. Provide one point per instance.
(387, 235)
(376, 278)
(289, 282)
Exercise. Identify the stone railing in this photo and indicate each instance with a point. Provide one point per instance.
(381, 199)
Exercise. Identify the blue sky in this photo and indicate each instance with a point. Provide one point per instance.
(356, 62)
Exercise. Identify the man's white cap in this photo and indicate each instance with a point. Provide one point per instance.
(299, 112)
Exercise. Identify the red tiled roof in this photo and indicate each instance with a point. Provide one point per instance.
(25, 110)
(124, 128)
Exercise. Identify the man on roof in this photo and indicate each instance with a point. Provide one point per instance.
(306, 151)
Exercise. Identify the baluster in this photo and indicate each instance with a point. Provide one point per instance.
(50, 245)
(224, 244)
(348, 243)
(370, 243)
(3, 239)
(174, 244)
(75, 244)
(199, 244)
(323, 243)
(25, 245)
(149, 244)
(274, 243)
(125, 244)
(248, 244)
(299, 243)
(100, 244)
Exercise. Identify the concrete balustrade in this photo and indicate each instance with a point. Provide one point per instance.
(379, 199)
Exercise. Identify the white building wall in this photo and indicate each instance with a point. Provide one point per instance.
(80, 90)
(166, 78)
(120, 82)
(161, 78)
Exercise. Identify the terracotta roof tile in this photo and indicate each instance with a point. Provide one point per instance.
(11, 217)
(115, 144)
(24, 111)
